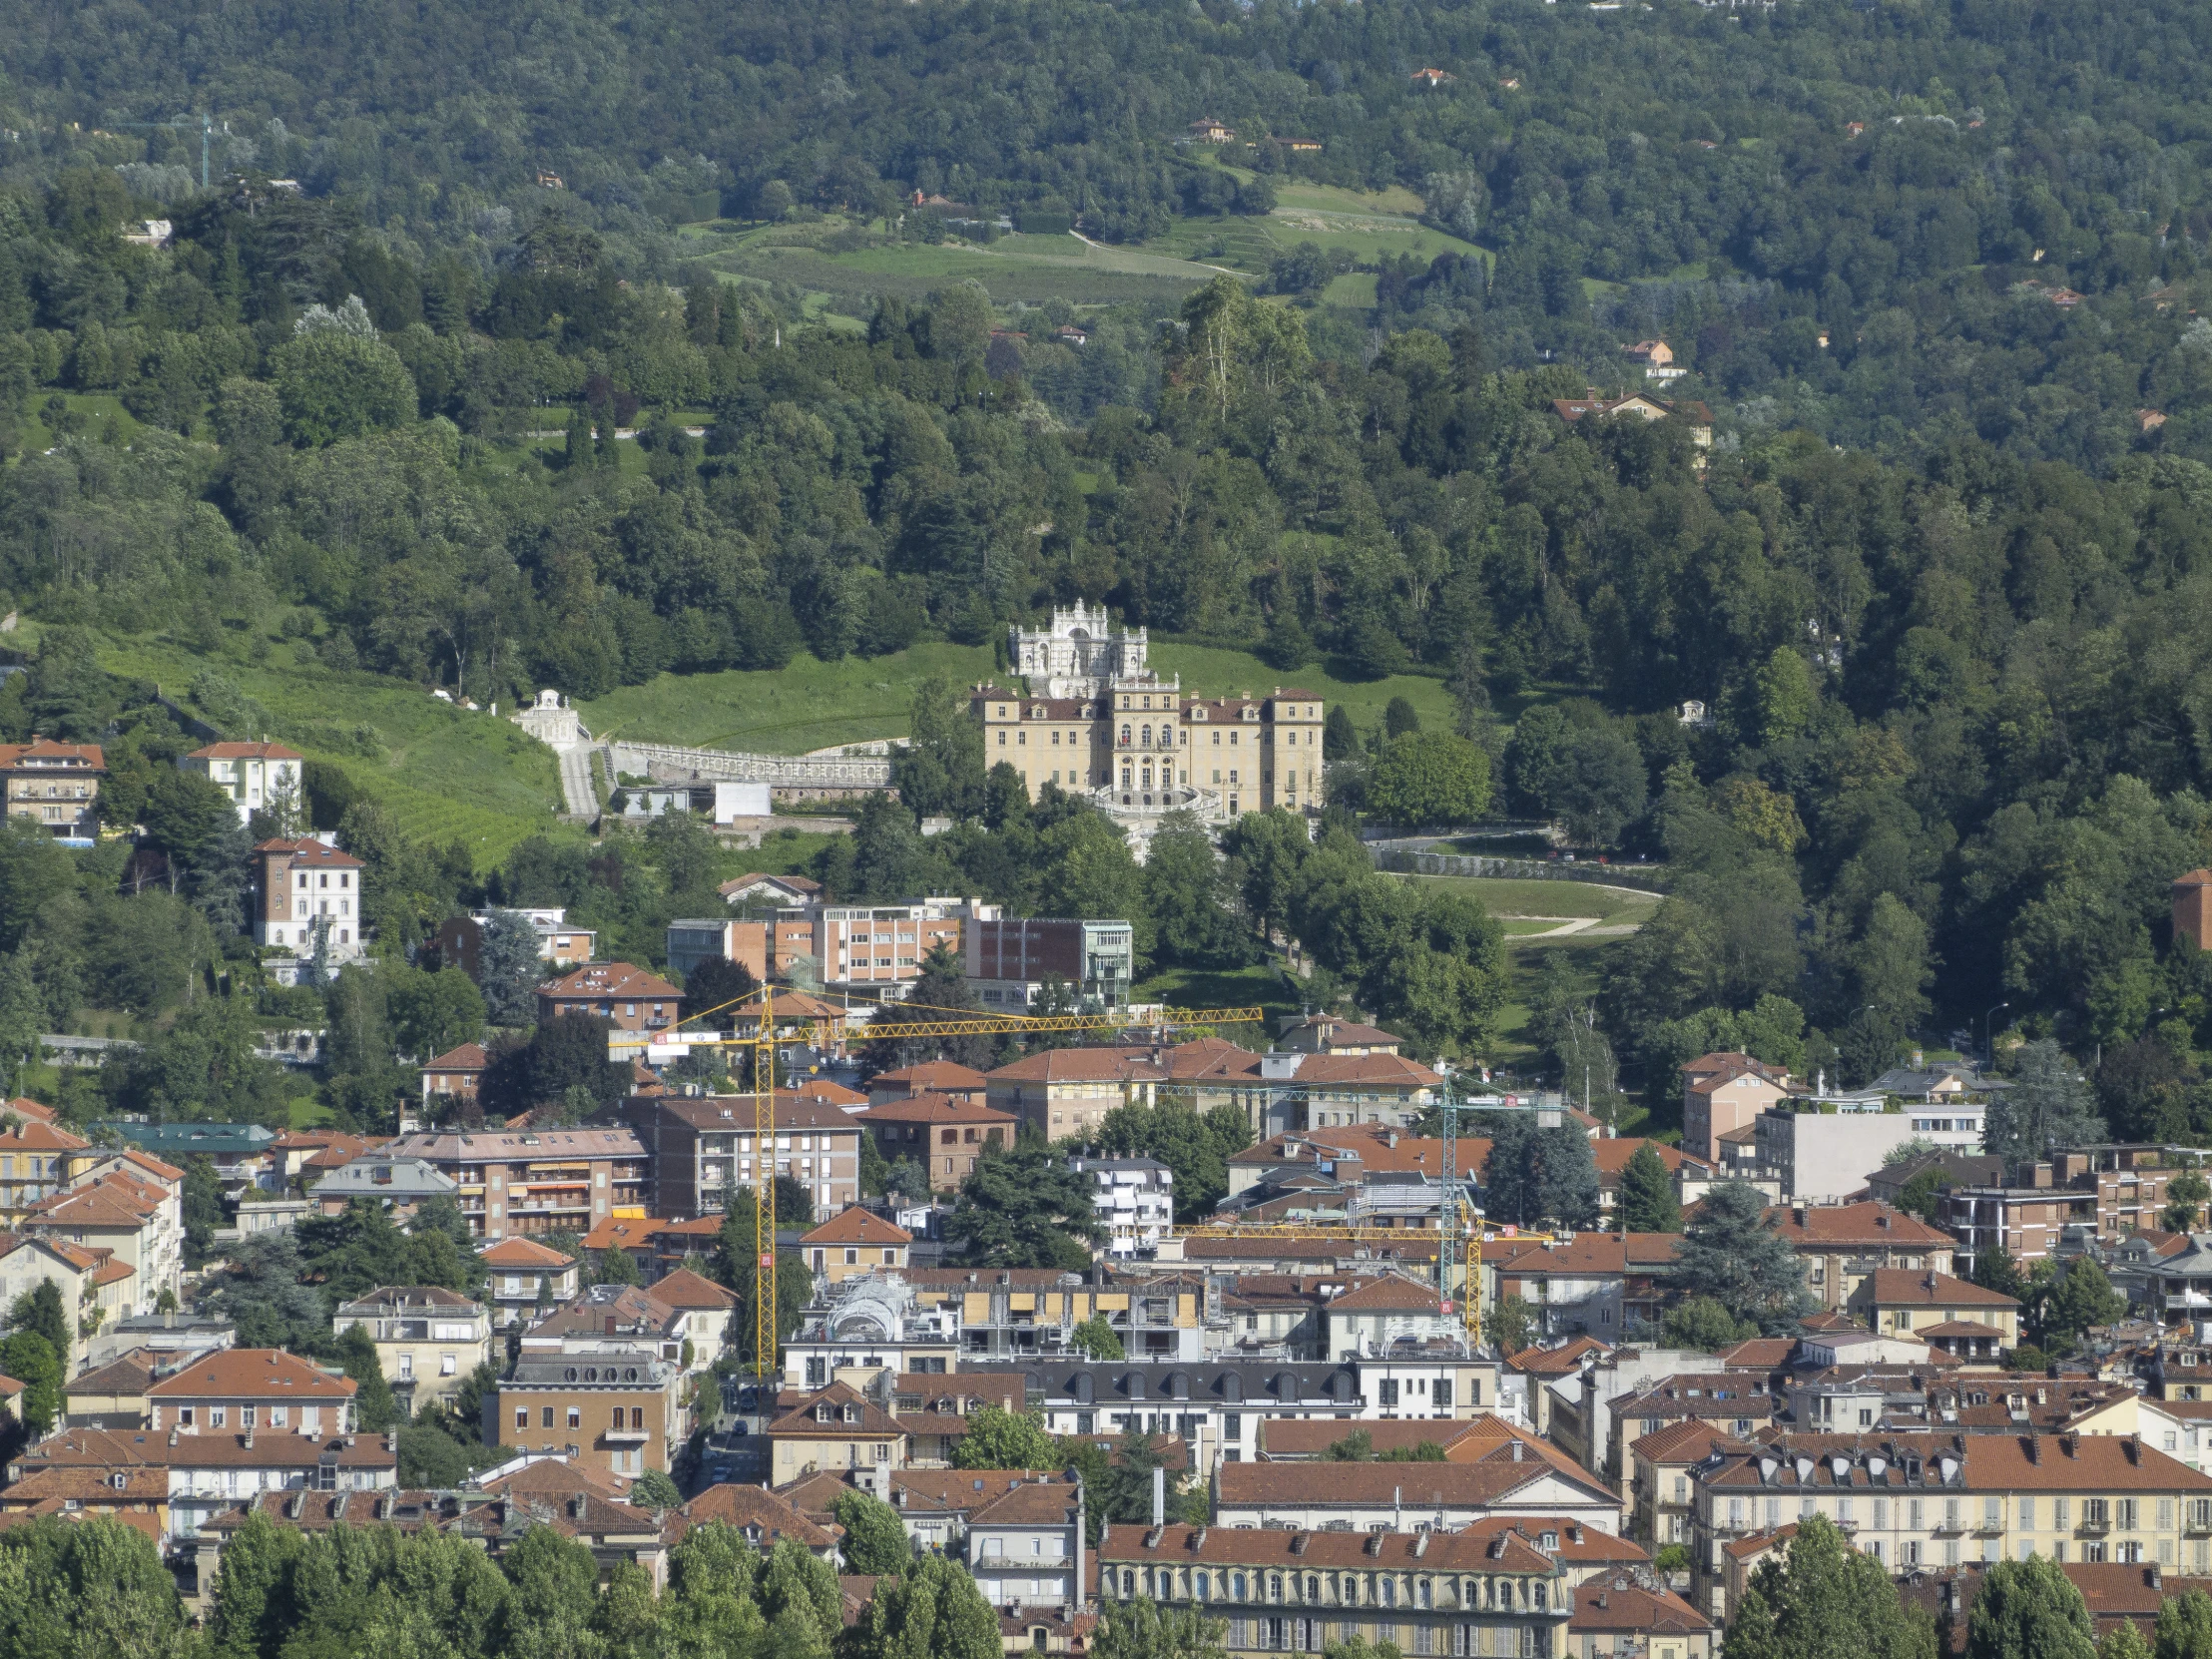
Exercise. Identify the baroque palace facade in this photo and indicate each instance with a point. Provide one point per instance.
(1095, 720)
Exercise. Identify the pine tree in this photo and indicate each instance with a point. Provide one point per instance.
(1647, 1201)
(1731, 1255)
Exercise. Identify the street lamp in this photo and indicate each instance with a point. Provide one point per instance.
(1988, 1038)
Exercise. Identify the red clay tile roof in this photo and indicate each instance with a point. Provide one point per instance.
(1389, 1294)
(799, 1423)
(518, 1252)
(256, 1372)
(618, 981)
(1555, 1362)
(829, 1093)
(751, 1510)
(1688, 1441)
(1857, 1226)
(1920, 1288)
(686, 1289)
(29, 1135)
(306, 849)
(1622, 1605)
(467, 1057)
(856, 1226)
(86, 756)
(1374, 1071)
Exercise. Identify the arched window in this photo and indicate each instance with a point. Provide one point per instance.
(1239, 1587)
(1275, 1586)
(1125, 736)
(1389, 1592)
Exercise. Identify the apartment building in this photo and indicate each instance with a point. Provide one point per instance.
(239, 1389)
(308, 899)
(450, 1080)
(1134, 1199)
(631, 999)
(1337, 1090)
(1025, 1545)
(696, 939)
(1661, 1471)
(533, 1181)
(854, 1242)
(1510, 1480)
(1722, 1093)
(92, 1284)
(399, 1186)
(199, 1477)
(1215, 1405)
(55, 785)
(561, 945)
(2107, 1192)
(615, 1414)
(37, 1159)
(1424, 1592)
(1843, 1243)
(1940, 1500)
(1819, 1151)
(428, 1338)
(944, 1135)
(1068, 1091)
(129, 1213)
(929, 1077)
(525, 1278)
(1007, 961)
(869, 949)
(700, 1146)
(834, 1428)
(1961, 1318)
(1732, 1403)
(255, 775)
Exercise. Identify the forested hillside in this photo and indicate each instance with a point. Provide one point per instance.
(1948, 605)
(1695, 171)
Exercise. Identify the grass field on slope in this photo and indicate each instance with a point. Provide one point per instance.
(811, 704)
(446, 774)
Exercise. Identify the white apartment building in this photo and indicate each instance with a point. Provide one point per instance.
(256, 776)
(1135, 1201)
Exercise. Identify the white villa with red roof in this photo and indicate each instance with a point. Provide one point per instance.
(256, 776)
(307, 896)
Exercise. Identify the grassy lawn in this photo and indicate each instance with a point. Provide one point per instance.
(808, 705)
(813, 704)
(1080, 276)
(1397, 201)
(1508, 898)
(1215, 671)
(1257, 987)
(446, 773)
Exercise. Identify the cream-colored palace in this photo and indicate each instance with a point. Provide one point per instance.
(1096, 721)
